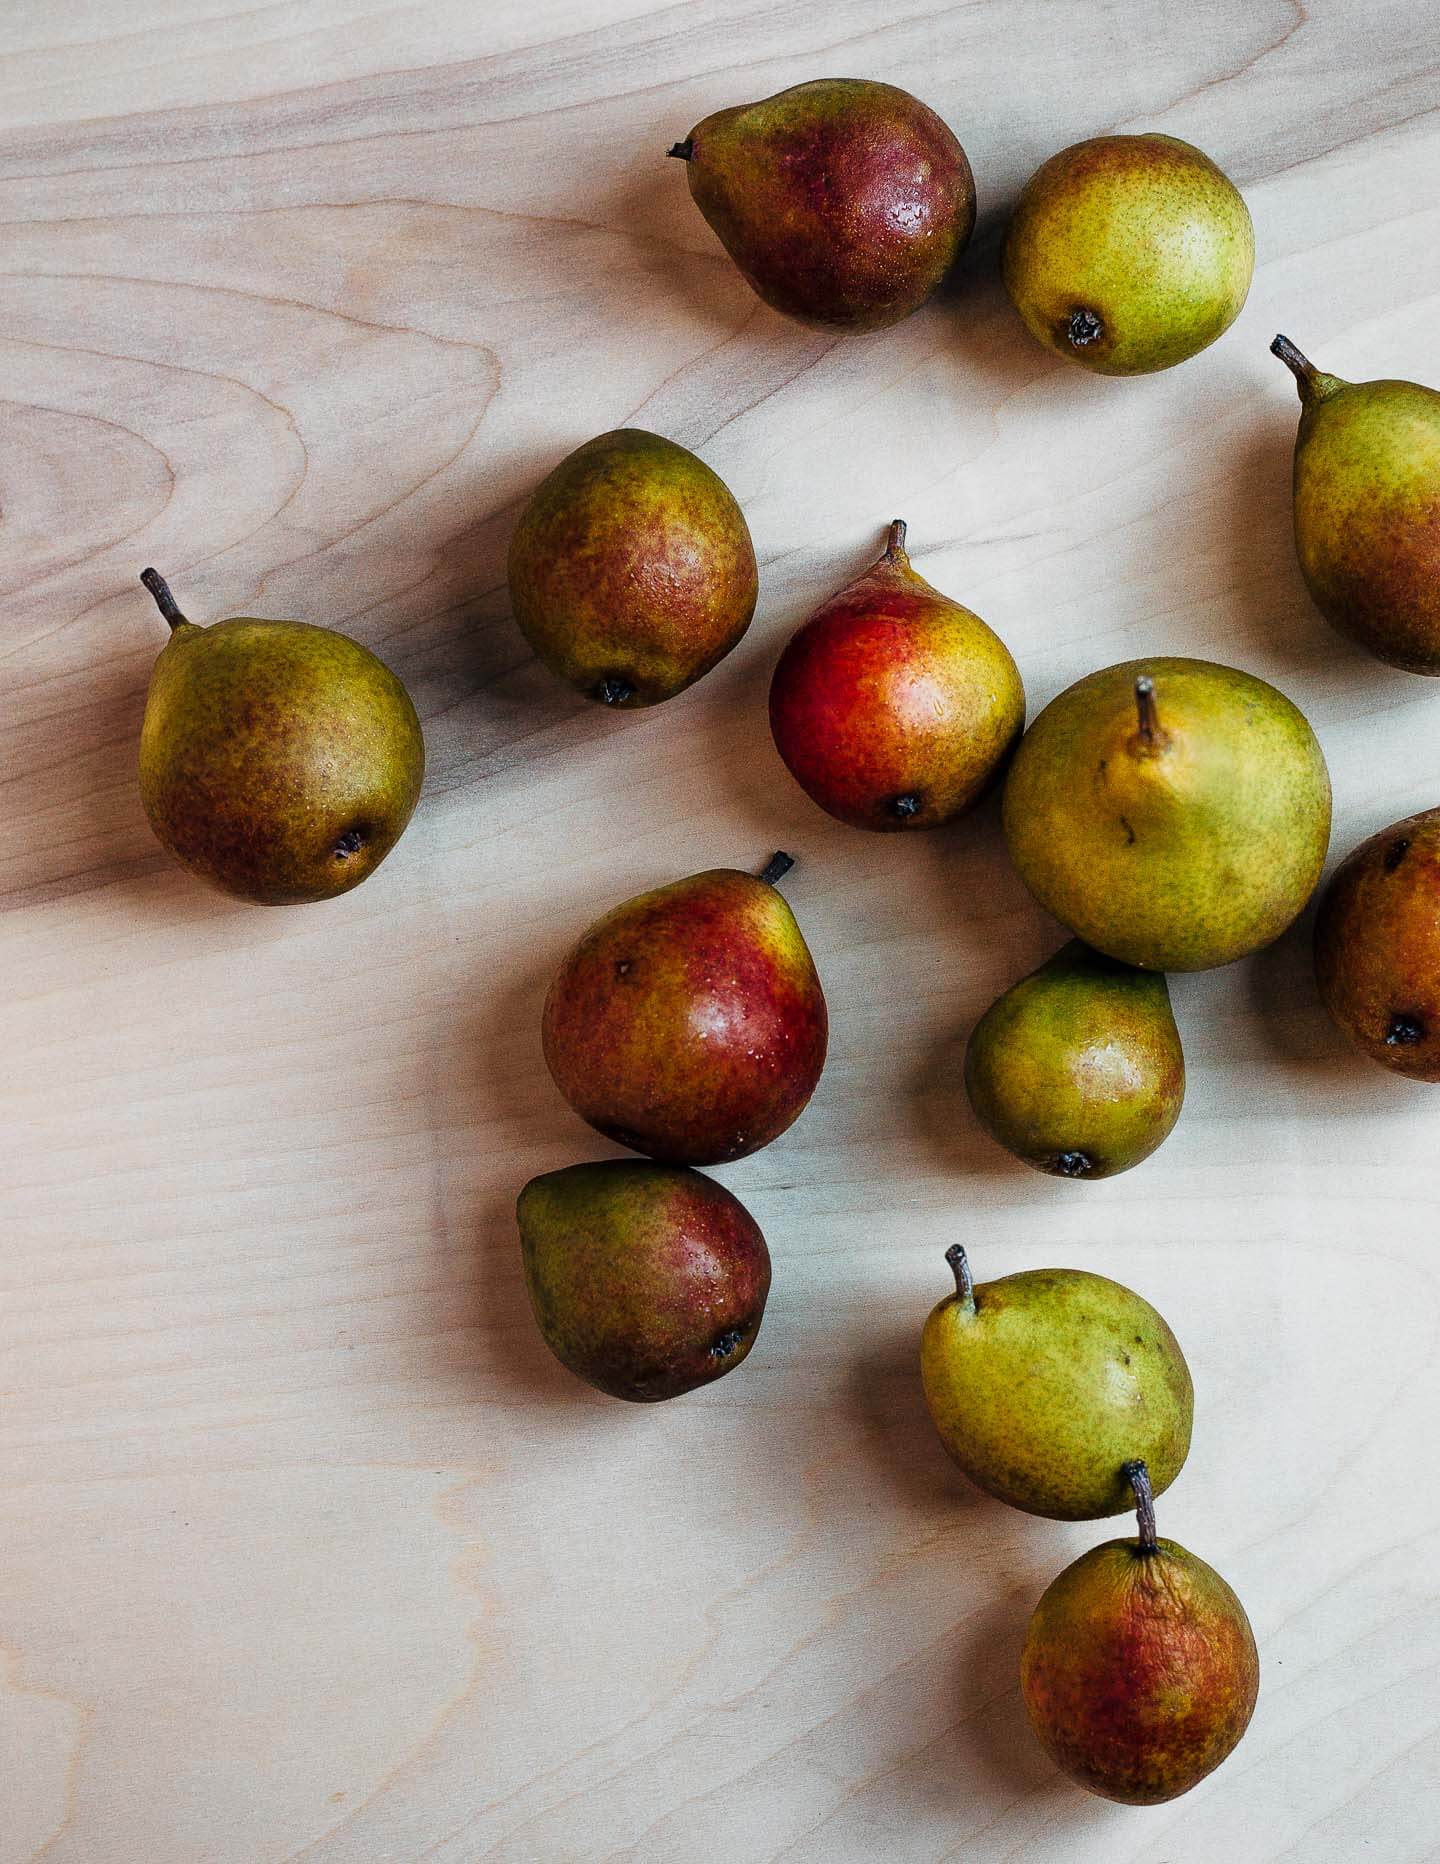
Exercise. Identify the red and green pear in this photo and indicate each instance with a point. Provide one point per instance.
(1367, 509)
(894, 707)
(631, 570)
(843, 202)
(646, 1280)
(1139, 1671)
(689, 1022)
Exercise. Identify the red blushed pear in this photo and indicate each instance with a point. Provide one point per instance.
(1139, 1671)
(895, 707)
(843, 202)
(646, 1280)
(689, 1023)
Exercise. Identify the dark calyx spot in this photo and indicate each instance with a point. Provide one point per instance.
(726, 1343)
(1404, 1031)
(1084, 328)
(351, 842)
(1396, 853)
(905, 806)
(1074, 1164)
(614, 691)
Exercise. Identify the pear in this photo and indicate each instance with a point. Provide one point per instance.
(1367, 509)
(689, 1023)
(631, 570)
(1078, 1068)
(843, 202)
(646, 1280)
(1173, 813)
(1043, 1385)
(1129, 253)
(894, 707)
(1139, 1671)
(279, 761)
(1377, 946)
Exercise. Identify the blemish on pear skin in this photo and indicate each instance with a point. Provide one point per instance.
(1396, 853)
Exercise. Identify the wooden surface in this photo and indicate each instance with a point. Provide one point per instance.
(307, 1548)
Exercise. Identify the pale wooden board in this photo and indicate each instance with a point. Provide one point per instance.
(307, 1548)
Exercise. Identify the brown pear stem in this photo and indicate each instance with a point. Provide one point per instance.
(1300, 366)
(964, 1281)
(895, 540)
(776, 868)
(1145, 711)
(1138, 1476)
(682, 151)
(164, 601)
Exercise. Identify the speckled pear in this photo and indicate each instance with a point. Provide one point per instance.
(1043, 1385)
(689, 1022)
(1139, 1671)
(1173, 813)
(278, 761)
(646, 1280)
(1367, 509)
(1129, 253)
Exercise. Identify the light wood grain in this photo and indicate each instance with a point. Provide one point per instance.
(307, 1548)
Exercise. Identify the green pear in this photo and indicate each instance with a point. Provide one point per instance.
(1129, 253)
(1377, 946)
(631, 570)
(646, 1280)
(1078, 1068)
(1173, 813)
(1367, 509)
(279, 761)
(1043, 1385)
(1139, 1671)
(688, 1022)
(843, 202)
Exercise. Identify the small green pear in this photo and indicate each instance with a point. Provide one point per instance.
(1129, 253)
(646, 1280)
(1172, 813)
(279, 761)
(1139, 1672)
(1367, 509)
(1045, 1384)
(1078, 1068)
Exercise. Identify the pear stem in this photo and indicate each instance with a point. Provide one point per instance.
(682, 151)
(1138, 1476)
(1145, 711)
(964, 1281)
(776, 868)
(1299, 365)
(164, 601)
(895, 540)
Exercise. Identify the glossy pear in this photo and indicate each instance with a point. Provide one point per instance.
(279, 761)
(689, 1023)
(1043, 1385)
(1139, 1671)
(895, 707)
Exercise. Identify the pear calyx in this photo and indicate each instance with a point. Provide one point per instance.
(1082, 328)
(777, 867)
(614, 691)
(164, 601)
(1138, 1476)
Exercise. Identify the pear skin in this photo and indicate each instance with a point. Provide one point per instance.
(1129, 253)
(1139, 1672)
(646, 1280)
(1367, 509)
(843, 202)
(631, 570)
(689, 1022)
(1078, 1068)
(1377, 946)
(1043, 1385)
(1172, 813)
(893, 706)
(279, 761)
